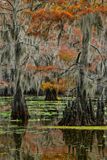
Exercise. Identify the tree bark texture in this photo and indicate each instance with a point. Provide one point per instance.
(19, 107)
(51, 95)
(80, 111)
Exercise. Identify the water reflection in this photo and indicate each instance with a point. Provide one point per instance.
(81, 144)
(28, 142)
(101, 141)
(19, 131)
(25, 141)
(54, 144)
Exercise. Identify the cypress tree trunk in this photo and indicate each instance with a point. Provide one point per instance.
(77, 114)
(51, 95)
(80, 111)
(19, 107)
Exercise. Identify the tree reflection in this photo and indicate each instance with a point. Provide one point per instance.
(18, 134)
(80, 143)
(44, 144)
(101, 141)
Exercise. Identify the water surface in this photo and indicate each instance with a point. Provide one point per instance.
(41, 139)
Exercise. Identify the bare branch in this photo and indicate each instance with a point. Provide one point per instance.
(61, 31)
(99, 54)
(10, 3)
(97, 50)
(5, 13)
(25, 60)
(6, 8)
(19, 10)
(29, 44)
(67, 70)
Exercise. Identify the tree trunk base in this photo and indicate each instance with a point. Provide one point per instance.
(19, 107)
(79, 113)
(51, 95)
(20, 112)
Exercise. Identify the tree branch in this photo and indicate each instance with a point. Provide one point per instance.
(10, 3)
(99, 54)
(6, 8)
(5, 13)
(22, 9)
(60, 33)
(68, 69)
(30, 44)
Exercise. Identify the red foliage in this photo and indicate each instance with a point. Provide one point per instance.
(30, 67)
(63, 11)
(93, 66)
(67, 54)
(77, 32)
(3, 83)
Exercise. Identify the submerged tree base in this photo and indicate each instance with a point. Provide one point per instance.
(20, 112)
(79, 113)
(19, 107)
(51, 95)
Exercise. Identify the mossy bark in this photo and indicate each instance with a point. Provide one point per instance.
(80, 111)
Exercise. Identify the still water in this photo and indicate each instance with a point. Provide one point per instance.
(36, 140)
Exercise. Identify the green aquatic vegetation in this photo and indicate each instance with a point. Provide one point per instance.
(5, 114)
(44, 102)
(46, 114)
(18, 130)
(14, 149)
(39, 110)
(4, 103)
(75, 127)
(41, 98)
(4, 153)
(15, 121)
(39, 119)
(2, 132)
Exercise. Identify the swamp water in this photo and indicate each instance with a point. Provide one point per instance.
(41, 139)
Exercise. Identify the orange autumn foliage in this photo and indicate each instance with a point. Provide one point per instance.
(67, 54)
(55, 157)
(27, 1)
(77, 32)
(59, 86)
(93, 66)
(61, 11)
(50, 68)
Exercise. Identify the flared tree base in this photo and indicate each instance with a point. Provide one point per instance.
(20, 113)
(19, 107)
(79, 113)
(51, 95)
